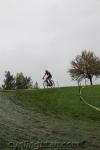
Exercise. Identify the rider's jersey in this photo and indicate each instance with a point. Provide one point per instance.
(48, 74)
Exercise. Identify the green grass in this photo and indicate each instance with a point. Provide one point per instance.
(50, 115)
(62, 102)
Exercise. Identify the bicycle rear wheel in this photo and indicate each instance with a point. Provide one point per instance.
(53, 84)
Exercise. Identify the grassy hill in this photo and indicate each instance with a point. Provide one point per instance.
(49, 115)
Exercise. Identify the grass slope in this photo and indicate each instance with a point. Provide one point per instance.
(53, 115)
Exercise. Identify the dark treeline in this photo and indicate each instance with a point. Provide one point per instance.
(19, 81)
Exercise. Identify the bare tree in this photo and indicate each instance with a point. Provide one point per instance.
(36, 85)
(85, 66)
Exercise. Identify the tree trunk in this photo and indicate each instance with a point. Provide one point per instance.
(90, 78)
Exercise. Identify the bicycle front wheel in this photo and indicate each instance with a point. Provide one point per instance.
(45, 84)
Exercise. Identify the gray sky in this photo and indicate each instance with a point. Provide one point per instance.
(47, 34)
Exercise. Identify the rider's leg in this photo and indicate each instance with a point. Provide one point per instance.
(50, 81)
(47, 81)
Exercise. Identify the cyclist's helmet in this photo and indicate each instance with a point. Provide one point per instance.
(46, 71)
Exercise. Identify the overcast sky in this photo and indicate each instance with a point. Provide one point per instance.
(47, 34)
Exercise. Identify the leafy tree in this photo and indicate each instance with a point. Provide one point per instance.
(9, 81)
(84, 66)
(23, 82)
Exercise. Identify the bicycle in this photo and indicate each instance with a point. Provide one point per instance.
(47, 83)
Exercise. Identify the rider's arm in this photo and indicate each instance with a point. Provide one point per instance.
(44, 76)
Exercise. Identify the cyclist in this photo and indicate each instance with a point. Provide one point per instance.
(48, 77)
